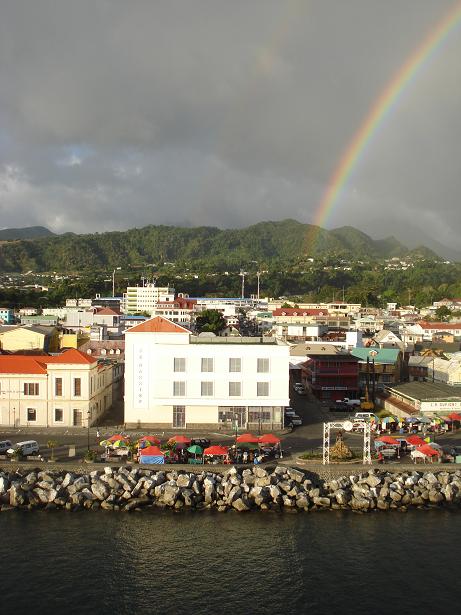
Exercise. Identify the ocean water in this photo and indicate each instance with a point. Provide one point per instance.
(212, 563)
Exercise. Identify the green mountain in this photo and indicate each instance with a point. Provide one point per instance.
(286, 241)
(28, 232)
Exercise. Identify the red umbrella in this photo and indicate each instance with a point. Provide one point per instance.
(180, 440)
(152, 439)
(454, 416)
(388, 440)
(248, 437)
(118, 437)
(415, 440)
(216, 450)
(269, 438)
(151, 451)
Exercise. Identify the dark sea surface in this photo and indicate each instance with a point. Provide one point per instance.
(201, 562)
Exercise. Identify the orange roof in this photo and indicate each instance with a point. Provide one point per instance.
(158, 325)
(21, 364)
(440, 325)
(70, 356)
(28, 364)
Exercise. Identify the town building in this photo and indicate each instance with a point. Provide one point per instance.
(174, 379)
(381, 366)
(145, 298)
(29, 337)
(6, 316)
(65, 390)
(432, 399)
(331, 375)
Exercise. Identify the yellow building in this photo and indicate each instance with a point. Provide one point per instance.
(30, 337)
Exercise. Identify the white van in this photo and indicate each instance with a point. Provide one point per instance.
(364, 416)
(28, 447)
(4, 446)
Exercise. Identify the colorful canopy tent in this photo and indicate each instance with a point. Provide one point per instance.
(387, 440)
(148, 440)
(389, 419)
(216, 451)
(180, 440)
(454, 416)
(415, 440)
(247, 438)
(117, 437)
(269, 438)
(427, 450)
(423, 419)
(151, 454)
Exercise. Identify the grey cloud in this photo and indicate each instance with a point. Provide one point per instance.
(115, 114)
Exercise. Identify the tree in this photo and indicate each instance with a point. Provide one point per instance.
(442, 313)
(52, 444)
(211, 321)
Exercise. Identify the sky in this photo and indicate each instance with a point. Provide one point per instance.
(117, 114)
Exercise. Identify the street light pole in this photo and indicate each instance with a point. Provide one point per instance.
(113, 280)
(88, 422)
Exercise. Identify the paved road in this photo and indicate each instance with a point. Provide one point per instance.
(307, 437)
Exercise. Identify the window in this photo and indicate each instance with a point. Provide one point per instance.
(262, 389)
(31, 414)
(235, 365)
(207, 365)
(235, 389)
(58, 387)
(259, 415)
(58, 415)
(31, 388)
(207, 389)
(263, 366)
(77, 387)
(179, 388)
(179, 416)
(180, 364)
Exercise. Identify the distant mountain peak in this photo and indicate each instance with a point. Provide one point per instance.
(27, 232)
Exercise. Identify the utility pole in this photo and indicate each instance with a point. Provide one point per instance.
(258, 275)
(242, 274)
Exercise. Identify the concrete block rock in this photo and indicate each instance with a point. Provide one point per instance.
(80, 483)
(188, 496)
(249, 479)
(285, 485)
(302, 502)
(100, 490)
(443, 477)
(435, 497)
(382, 504)
(4, 484)
(322, 501)
(263, 481)
(274, 492)
(17, 496)
(431, 478)
(395, 496)
(67, 480)
(234, 494)
(170, 494)
(258, 471)
(241, 504)
(184, 480)
(341, 496)
(359, 503)
(288, 502)
(280, 471)
(373, 480)
(296, 475)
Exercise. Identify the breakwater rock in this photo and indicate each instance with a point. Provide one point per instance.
(282, 488)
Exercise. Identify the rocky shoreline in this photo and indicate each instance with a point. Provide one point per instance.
(283, 488)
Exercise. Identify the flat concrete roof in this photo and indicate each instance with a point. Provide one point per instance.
(426, 391)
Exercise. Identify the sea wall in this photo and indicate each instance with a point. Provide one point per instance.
(283, 488)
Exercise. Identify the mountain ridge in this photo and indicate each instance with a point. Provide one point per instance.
(265, 242)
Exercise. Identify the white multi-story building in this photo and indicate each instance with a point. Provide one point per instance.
(70, 389)
(174, 379)
(145, 298)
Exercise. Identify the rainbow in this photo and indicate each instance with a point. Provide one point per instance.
(380, 109)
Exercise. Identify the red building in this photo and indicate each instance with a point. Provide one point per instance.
(332, 376)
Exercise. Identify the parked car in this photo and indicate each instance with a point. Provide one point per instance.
(4, 446)
(294, 420)
(340, 406)
(28, 447)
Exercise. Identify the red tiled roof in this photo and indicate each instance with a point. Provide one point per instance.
(107, 312)
(157, 325)
(299, 312)
(440, 326)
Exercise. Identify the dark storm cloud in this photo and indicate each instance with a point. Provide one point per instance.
(115, 114)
